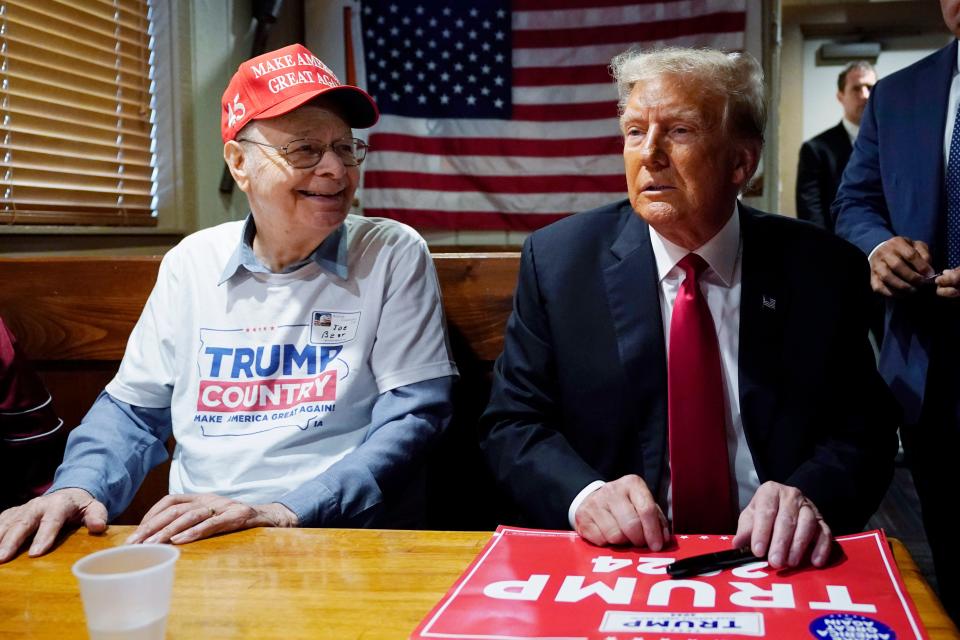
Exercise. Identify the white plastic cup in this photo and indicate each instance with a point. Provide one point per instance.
(126, 591)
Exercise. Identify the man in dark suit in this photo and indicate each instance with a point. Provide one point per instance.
(823, 157)
(900, 203)
(680, 303)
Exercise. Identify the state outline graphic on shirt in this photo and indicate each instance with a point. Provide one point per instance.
(257, 379)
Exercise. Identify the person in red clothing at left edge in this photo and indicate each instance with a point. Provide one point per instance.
(32, 436)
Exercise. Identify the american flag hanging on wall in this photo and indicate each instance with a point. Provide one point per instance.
(502, 115)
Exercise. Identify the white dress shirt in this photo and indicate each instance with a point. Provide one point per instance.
(720, 284)
(952, 98)
(851, 129)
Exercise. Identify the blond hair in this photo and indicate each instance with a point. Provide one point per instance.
(735, 76)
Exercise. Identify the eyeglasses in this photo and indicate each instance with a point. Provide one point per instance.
(307, 153)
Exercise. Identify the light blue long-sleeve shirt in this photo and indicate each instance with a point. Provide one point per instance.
(117, 444)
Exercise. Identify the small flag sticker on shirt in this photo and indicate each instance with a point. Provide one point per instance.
(769, 302)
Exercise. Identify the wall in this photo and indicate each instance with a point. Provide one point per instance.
(323, 32)
(762, 41)
(820, 107)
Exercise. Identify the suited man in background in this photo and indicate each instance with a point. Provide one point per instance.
(676, 358)
(823, 157)
(900, 203)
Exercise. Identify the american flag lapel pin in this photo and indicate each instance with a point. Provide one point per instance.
(769, 302)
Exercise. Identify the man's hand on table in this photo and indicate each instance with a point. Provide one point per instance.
(786, 526)
(623, 512)
(185, 518)
(780, 522)
(43, 517)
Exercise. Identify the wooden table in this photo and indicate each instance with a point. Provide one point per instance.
(293, 583)
(928, 606)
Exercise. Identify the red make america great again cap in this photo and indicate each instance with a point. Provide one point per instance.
(278, 82)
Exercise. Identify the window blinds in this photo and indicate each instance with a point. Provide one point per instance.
(76, 112)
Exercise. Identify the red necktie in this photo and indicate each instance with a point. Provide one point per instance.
(699, 469)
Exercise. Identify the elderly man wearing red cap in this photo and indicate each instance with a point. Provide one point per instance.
(298, 358)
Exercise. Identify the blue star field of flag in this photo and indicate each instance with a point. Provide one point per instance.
(438, 59)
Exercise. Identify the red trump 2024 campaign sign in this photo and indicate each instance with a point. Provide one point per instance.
(538, 585)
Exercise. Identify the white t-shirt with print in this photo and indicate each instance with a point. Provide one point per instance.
(271, 378)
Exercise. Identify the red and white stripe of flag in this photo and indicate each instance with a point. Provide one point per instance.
(561, 151)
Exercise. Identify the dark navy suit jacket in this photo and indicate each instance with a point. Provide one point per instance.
(580, 391)
(822, 160)
(893, 186)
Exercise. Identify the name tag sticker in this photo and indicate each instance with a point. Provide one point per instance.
(690, 624)
(334, 327)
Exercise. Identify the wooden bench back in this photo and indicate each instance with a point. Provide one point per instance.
(73, 315)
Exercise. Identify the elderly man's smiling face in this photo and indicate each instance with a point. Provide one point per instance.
(683, 170)
(299, 200)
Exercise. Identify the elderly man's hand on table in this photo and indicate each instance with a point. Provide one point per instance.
(785, 525)
(185, 518)
(623, 512)
(43, 517)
